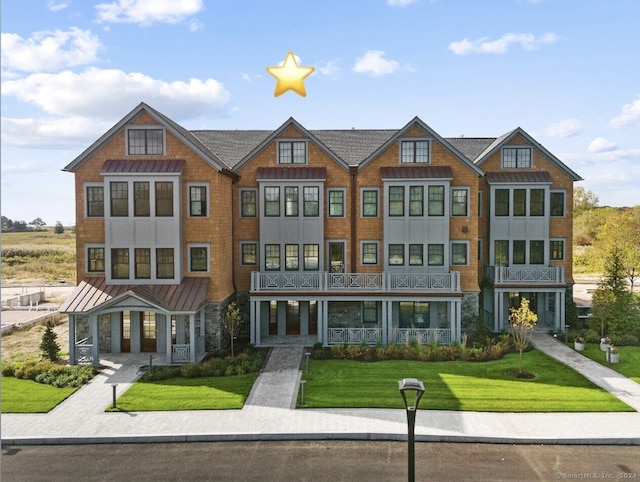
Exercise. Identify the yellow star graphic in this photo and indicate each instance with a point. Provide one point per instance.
(290, 76)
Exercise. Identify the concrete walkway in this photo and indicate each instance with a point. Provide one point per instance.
(269, 415)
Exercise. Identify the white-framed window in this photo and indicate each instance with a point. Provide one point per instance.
(459, 253)
(335, 199)
(556, 249)
(292, 152)
(558, 203)
(198, 200)
(248, 203)
(95, 258)
(198, 257)
(369, 250)
(145, 141)
(248, 253)
(516, 158)
(460, 201)
(94, 196)
(415, 151)
(369, 203)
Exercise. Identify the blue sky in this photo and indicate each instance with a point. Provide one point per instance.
(566, 71)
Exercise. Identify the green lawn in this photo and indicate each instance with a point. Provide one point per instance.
(467, 386)
(629, 365)
(26, 396)
(207, 393)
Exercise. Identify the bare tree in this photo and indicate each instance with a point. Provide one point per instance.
(232, 323)
(522, 321)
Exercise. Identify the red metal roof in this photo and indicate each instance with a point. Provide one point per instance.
(293, 173)
(142, 166)
(189, 296)
(416, 172)
(519, 177)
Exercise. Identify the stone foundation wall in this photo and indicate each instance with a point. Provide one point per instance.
(470, 309)
(217, 340)
(345, 314)
(104, 333)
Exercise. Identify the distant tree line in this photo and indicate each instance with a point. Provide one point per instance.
(18, 226)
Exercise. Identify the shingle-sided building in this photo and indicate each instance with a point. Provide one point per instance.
(329, 236)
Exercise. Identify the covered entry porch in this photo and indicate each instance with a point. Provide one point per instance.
(166, 320)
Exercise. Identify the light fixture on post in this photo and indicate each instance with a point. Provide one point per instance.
(411, 390)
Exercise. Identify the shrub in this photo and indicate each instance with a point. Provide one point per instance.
(49, 346)
(625, 339)
(338, 351)
(353, 352)
(190, 370)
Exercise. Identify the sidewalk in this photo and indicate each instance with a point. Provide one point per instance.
(268, 415)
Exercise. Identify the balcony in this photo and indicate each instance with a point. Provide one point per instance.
(525, 275)
(264, 281)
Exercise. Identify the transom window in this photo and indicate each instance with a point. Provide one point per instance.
(292, 152)
(414, 151)
(516, 158)
(95, 201)
(145, 142)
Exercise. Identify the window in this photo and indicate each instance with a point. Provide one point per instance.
(141, 205)
(119, 199)
(95, 260)
(370, 312)
(164, 199)
(248, 203)
(413, 314)
(142, 263)
(396, 254)
(369, 203)
(556, 249)
(536, 203)
(459, 254)
(336, 203)
(292, 152)
(311, 201)
(414, 151)
(95, 201)
(311, 257)
(416, 201)
(198, 201)
(480, 248)
(145, 142)
(416, 257)
(272, 257)
(519, 202)
(516, 158)
(249, 253)
(502, 253)
(436, 200)
(120, 263)
(291, 201)
(536, 252)
(436, 255)
(502, 202)
(198, 259)
(459, 203)
(396, 201)
(291, 256)
(557, 203)
(480, 203)
(369, 253)
(272, 201)
(164, 263)
(519, 252)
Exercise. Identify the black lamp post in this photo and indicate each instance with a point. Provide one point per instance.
(411, 390)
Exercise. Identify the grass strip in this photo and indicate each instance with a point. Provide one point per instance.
(27, 396)
(458, 385)
(629, 364)
(206, 393)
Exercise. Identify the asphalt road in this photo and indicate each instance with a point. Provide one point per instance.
(317, 461)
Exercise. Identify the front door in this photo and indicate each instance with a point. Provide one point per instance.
(125, 330)
(149, 332)
(336, 257)
(293, 318)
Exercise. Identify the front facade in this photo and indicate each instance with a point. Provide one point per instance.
(352, 236)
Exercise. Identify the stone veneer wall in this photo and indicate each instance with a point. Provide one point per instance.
(470, 310)
(345, 314)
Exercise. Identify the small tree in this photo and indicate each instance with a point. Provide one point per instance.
(49, 346)
(522, 321)
(59, 228)
(232, 322)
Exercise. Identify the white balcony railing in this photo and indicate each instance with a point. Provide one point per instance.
(525, 275)
(354, 336)
(425, 336)
(353, 282)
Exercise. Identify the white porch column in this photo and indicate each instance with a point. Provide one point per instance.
(192, 338)
(325, 322)
(254, 322)
(72, 339)
(457, 305)
(389, 310)
(168, 340)
(497, 310)
(93, 332)
(560, 314)
(320, 321)
(383, 323)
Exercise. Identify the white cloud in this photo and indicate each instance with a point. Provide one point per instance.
(51, 133)
(48, 50)
(630, 115)
(482, 45)
(600, 144)
(565, 128)
(56, 6)
(331, 68)
(146, 12)
(400, 3)
(374, 63)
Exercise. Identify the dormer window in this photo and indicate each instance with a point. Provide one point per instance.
(414, 152)
(292, 152)
(145, 142)
(516, 158)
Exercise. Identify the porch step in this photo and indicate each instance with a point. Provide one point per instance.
(277, 384)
